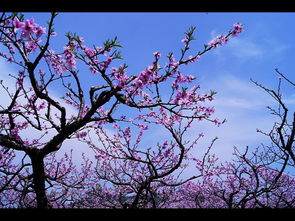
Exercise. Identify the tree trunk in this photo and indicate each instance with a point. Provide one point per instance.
(39, 180)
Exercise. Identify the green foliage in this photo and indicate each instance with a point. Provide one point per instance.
(73, 37)
(20, 16)
(189, 33)
(108, 44)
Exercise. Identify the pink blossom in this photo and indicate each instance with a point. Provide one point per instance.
(217, 122)
(201, 135)
(70, 57)
(157, 54)
(238, 28)
(31, 46)
(10, 59)
(89, 52)
(93, 70)
(120, 75)
(81, 39)
(81, 134)
(219, 40)
(115, 125)
(143, 127)
(165, 144)
(18, 25)
(40, 31)
(29, 28)
(194, 58)
(106, 63)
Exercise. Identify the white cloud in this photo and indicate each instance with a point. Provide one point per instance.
(244, 106)
(251, 45)
(245, 48)
(254, 48)
(235, 93)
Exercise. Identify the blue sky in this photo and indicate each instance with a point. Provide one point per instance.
(267, 43)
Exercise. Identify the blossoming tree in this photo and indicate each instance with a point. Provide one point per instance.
(39, 178)
(259, 178)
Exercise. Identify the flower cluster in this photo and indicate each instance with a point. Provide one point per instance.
(70, 56)
(182, 79)
(219, 40)
(238, 28)
(145, 77)
(105, 64)
(28, 28)
(185, 97)
(120, 75)
(81, 134)
(56, 62)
